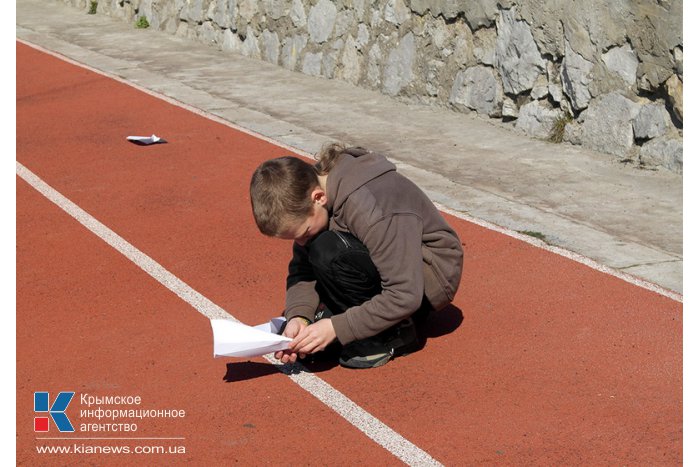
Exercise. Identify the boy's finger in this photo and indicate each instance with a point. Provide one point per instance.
(304, 344)
(286, 356)
(308, 346)
(295, 345)
(301, 337)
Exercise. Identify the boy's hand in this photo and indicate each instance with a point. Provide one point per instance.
(294, 326)
(313, 338)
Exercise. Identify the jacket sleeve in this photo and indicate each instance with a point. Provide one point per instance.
(394, 243)
(302, 298)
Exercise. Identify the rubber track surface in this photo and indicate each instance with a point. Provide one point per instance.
(541, 360)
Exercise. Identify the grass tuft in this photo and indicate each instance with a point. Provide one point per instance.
(142, 22)
(538, 235)
(556, 135)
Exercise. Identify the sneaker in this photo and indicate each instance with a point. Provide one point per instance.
(403, 337)
(376, 351)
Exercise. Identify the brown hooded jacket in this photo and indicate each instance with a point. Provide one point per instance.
(414, 249)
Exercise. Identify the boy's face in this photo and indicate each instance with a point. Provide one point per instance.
(302, 232)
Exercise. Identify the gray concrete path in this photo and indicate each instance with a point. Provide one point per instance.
(585, 202)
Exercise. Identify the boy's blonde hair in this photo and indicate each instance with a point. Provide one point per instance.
(280, 189)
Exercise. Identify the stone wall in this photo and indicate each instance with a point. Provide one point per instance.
(605, 75)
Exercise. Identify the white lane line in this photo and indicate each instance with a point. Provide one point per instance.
(525, 238)
(331, 397)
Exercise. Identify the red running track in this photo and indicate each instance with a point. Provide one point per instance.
(541, 360)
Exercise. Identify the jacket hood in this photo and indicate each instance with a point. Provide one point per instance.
(355, 167)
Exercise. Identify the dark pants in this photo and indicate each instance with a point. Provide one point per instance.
(345, 273)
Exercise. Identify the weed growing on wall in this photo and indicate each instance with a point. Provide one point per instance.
(556, 135)
(142, 22)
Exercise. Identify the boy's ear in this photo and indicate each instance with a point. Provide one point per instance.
(318, 195)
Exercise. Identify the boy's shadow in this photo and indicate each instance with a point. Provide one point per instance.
(443, 322)
(438, 323)
(242, 371)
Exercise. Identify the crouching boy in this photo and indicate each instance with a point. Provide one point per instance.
(372, 256)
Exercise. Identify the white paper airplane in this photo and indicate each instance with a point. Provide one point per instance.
(234, 339)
